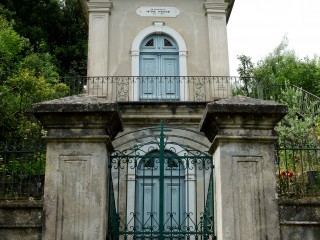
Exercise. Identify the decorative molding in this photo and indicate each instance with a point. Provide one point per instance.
(215, 7)
(158, 27)
(247, 172)
(99, 6)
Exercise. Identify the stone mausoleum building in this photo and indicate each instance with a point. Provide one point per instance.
(158, 148)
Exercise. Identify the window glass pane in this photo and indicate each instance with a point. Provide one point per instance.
(167, 43)
(172, 163)
(149, 43)
(149, 163)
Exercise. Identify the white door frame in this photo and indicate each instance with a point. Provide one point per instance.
(158, 28)
(190, 181)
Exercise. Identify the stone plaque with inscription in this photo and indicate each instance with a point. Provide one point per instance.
(158, 11)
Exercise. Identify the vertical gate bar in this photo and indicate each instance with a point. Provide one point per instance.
(161, 205)
(152, 190)
(179, 183)
(302, 171)
(135, 222)
(212, 198)
(118, 193)
(126, 197)
(196, 198)
(143, 165)
(317, 163)
(187, 194)
(204, 197)
(171, 191)
(294, 168)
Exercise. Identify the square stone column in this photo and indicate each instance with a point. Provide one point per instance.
(218, 47)
(98, 47)
(242, 136)
(80, 130)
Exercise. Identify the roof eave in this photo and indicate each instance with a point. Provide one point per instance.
(229, 8)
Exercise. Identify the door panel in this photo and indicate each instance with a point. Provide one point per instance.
(173, 204)
(149, 180)
(149, 65)
(147, 208)
(169, 65)
(148, 85)
(170, 85)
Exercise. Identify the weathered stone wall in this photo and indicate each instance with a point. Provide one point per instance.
(21, 221)
(299, 219)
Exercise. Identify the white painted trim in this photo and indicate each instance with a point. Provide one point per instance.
(159, 28)
(190, 180)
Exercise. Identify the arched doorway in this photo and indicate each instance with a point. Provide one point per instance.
(159, 68)
(161, 185)
(158, 28)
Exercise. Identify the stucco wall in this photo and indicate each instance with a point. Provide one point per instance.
(125, 24)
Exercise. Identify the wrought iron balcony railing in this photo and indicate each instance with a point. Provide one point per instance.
(155, 88)
(191, 88)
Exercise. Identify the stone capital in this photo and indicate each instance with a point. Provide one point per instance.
(213, 7)
(241, 116)
(102, 6)
(79, 116)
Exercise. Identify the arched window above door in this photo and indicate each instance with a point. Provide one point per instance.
(159, 43)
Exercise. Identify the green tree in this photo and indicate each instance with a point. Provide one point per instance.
(282, 66)
(27, 78)
(298, 126)
(279, 76)
(12, 48)
(247, 84)
(53, 26)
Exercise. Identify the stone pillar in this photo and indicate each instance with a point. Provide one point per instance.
(80, 130)
(242, 136)
(218, 47)
(98, 47)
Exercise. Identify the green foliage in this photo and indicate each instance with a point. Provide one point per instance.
(245, 68)
(12, 48)
(247, 85)
(282, 66)
(317, 128)
(29, 164)
(26, 78)
(53, 26)
(279, 77)
(297, 126)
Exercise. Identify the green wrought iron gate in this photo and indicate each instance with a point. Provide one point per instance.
(161, 188)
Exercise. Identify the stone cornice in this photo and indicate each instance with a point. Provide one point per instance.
(78, 116)
(99, 6)
(211, 7)
(240, 139)
(241, 116)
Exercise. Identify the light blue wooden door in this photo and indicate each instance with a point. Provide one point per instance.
(148, 197)
(159, 68)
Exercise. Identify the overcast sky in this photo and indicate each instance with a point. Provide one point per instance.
(256, 27)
